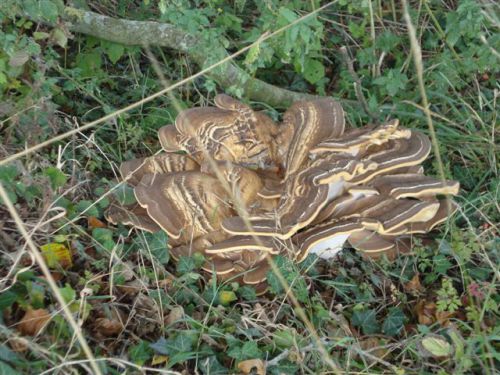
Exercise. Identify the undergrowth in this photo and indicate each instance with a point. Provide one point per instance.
(434, 310)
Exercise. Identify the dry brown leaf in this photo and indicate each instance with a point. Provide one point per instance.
(414, 286)
(108, 327)
(33, 322)
(176, 314)
(247, 366)
(426, 312)
(443, 317)
(18, 344)
(374, 346)
(131, 288)
(94, 222)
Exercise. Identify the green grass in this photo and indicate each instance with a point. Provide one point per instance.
(432, 311)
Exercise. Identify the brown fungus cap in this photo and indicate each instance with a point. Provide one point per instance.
(184, 204)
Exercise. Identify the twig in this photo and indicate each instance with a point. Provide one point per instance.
(150, 33)
(50, 280)
(276, 360)
(357, 85)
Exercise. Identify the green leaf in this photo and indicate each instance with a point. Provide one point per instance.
(394, 81)
(292, 276)
(114, 51)
(284, 338)
(437, 346)
(68, 293)
(40, 35)
(185, 265)
(157, 244)
(89, 63)
(394, 322)
(313, 71)
(7, 298)
(48, 10)
(247, 293)
(225, 297)
(366, 320)
(141, 352)
(5, 369)
(249, 350)
(60, 37)
(212, 366)
(252, 54)
(8, 355)
(56, 176)
(88, 208)
(104, 237)
(125, 195)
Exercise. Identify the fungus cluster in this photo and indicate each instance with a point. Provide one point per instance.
(245, 188)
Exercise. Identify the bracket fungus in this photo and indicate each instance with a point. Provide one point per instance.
(246, 189)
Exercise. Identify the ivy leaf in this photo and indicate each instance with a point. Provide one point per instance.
(366, 320)
(394, 322)
(156, 243)
(5, 369)
(141, 352)
(104, 237)
(249, 350)
(212, 366)
(185, 265)
(87, 207)
(7, 299)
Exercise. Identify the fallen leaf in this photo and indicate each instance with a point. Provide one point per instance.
(414, 286)
(176, 314)
(426, 312)
(131, 288)
(108, 327)
(374, 346)
(57, 254)
(18, 344)
(94, 222)
(158, 359)
(246, 367)
(435, 346)
(226, 297)
(33, 322)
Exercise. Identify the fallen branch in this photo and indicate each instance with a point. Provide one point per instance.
(150, 33)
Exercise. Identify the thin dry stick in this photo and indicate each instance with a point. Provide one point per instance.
(161, 92)
(50, 280)
(417, 59)
(358, 89)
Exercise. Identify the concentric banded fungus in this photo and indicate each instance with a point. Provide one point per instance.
(184, 204)
(250, 189)
(232, 131)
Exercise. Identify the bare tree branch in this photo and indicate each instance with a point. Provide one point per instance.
(129, 32)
